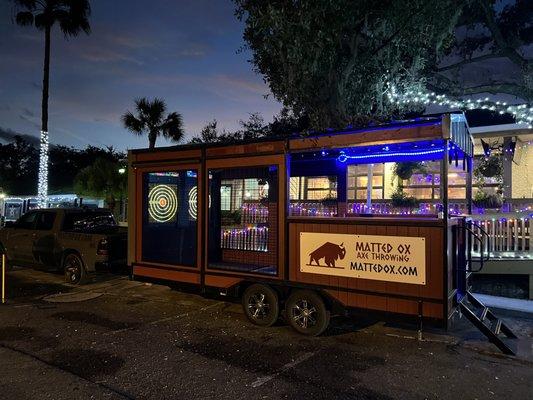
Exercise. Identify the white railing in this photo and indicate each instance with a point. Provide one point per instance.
(508, 235)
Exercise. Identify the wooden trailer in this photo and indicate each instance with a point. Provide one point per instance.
(312, 224)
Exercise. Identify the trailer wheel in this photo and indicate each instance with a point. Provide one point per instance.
(307, 313)
(261, 305)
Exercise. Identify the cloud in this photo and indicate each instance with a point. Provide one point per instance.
(103, 55)
(27, 112)
(7, 135)
(30, 120)
(193, 51)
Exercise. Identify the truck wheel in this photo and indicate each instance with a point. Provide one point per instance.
(261, 305)
(307, 313)
(74, 269)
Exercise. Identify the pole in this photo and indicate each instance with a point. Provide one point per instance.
(3, 278)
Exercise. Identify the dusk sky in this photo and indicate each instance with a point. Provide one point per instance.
(184, 51)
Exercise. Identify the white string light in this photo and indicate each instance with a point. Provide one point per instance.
(523, 113)
(42, 187)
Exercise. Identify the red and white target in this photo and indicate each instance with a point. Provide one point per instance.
(162, 203)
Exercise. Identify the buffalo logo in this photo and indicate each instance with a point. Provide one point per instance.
(329, 252)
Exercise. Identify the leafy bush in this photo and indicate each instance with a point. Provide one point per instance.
(231, 217)
(490, 167)
(405, 170)
(485, 200)
(401, 199)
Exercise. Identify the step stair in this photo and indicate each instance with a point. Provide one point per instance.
(491, 326)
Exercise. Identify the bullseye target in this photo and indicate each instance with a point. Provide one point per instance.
(193, 201)
(162, 203)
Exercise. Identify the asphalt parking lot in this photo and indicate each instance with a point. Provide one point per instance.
(122, 339)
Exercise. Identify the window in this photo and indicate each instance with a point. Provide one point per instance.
(169, 226)
(45, 221)
(27, 221)
(313, 195)
(83, 221)
(358, 184)
(424, 186)
(313, 187)
(242, 234)
(225, 197)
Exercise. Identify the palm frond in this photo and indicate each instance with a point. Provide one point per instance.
(24, 18)
(73, 16)
(43, 20)
(151, 112)
(172, 127)
(133, 124)
(142, 106)
(29, 5)
(156, 111)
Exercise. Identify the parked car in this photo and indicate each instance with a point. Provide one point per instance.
(76, 241)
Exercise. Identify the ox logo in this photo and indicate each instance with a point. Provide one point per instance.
(330, 252)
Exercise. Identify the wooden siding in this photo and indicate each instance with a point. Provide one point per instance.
(372, 294)
(167, 274)
(166, 155)
(370, 137)
(246, 149)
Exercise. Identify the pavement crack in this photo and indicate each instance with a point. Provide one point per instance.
(264, 379)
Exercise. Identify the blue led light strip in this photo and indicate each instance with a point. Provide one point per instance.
(343, 157)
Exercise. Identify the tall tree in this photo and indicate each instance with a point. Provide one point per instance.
(102, 179)
(73, 18)
(208, 134)
(331, 60)
(150, 119)
(66, 162)
(283, 124)
(18, 167)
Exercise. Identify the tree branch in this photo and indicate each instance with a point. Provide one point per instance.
(469, 61)
(448, 87)
(496, 88)
(505, 48)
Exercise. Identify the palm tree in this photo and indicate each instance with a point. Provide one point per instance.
(72, 17)
(151, 120)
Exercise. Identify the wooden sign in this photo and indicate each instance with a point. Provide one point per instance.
(383, 258)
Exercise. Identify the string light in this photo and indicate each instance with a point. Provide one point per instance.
(254, 238)
(42, 186)
(523, 113)
(343, 157)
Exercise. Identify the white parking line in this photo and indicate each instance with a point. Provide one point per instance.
(264, 379)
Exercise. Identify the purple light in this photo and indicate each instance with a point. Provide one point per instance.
(343, 157)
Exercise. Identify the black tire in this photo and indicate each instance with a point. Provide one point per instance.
(261, 305)
(306, 313)
(74, 269)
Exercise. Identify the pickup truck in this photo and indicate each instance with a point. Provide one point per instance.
(73, 240)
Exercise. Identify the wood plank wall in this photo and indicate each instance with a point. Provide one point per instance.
(372, 294)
